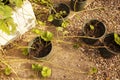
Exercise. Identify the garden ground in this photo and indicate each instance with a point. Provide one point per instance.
(68, 63)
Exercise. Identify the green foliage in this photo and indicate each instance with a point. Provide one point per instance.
(50, 18)
(45, 2)
(56, 15)
(5, 11)
(7, 25)
(36, 67)
(41, 23)
(25, 51)
(37, 31)
(17, 3)
(92, 27)
(65, 24)
(47, 36)
(6, 21)
(93, 70)
(117, 38)
(46, 72)
(7, 71)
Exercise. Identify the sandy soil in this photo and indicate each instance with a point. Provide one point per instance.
(66, 62)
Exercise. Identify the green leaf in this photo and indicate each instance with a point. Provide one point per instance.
(41, 23)
(43, 1)
(46, 72)
(25, 51)
(10, 23)
(50, 18)
(93, 70)
(4, 27)
(17, 3)
(5, 11)
(117, 38)
(47, 36)
(92, 27)
(36, 67)
(65, 24)
(7, 71)
(37, 31)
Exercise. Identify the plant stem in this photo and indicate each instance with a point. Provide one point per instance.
(18, 78)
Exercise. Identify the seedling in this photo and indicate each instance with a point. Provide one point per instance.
(93, 70)
(65, 23)
(6, 21)
(117, 38)
(7, 71)
(36, 67)
(45, 35)
(7, 24)
(25, 51)
(92, 27)
(56, 15)
(46, 72)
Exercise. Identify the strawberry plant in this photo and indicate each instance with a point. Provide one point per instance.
(117, 38)
(6, 21)
(45, 71)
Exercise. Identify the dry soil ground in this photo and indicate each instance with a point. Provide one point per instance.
(66, 62)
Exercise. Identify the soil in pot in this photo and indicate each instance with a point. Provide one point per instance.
(58, 9)
(77, 5)
(97, 32)
(40, 48)
(111, 45)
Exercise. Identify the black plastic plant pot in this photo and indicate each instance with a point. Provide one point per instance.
(77, 5)
(6, 2)
(92, 36)
(57, 9)
(110, 44)
(105, 53)
(40, 49)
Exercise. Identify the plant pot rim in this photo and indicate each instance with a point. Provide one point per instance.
(94, 37)
(108, 47)
(80, 1)
(57, 4)
(41, 58)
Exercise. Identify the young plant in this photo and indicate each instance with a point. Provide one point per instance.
(45, 71)
(36, 67)
(117, 38)
(45, 35)
(93, 70)
(65, 23)
(7, 71)
(25, 51)
(6, 21)
(92, 27)
(56, 15)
